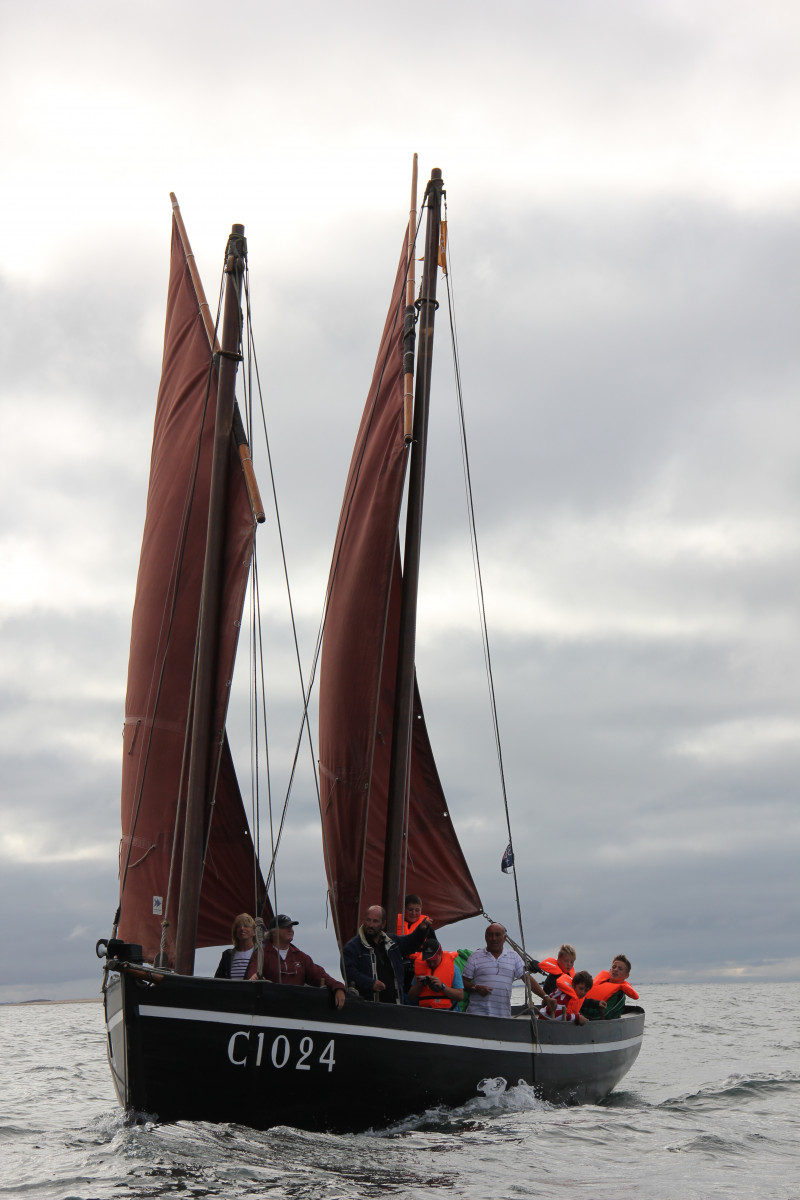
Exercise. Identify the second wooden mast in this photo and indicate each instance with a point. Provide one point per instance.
(404, 686)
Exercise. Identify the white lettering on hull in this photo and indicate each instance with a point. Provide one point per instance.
(280, 1051)
(238, 1062)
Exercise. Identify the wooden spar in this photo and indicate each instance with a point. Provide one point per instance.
(243, 449)
(412, 228)
(404, 685)
(208, 321)
(200, 771)
(205, 311)
(408, 368)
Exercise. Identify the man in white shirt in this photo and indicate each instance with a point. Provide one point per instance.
(489, 975)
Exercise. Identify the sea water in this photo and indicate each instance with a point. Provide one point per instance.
(711, 1108)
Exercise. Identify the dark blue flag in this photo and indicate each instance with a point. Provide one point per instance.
(507, 860)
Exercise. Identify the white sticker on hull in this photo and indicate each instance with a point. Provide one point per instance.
(396, 1035)
(114, 1021)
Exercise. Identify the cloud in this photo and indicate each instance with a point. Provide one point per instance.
(623, 224)
(740, 741)
(71, 906)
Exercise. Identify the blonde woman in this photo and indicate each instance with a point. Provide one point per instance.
(234, 962)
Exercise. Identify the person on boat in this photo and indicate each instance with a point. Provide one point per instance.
(410, 919)
(235, 961)
(412, 915)
(562, 964)
(489, 975)
(606, 999)
(568, 996)
(284, 963)
(437, 979)
(373, 961)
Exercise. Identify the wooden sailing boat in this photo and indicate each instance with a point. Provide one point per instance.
(185, 1047)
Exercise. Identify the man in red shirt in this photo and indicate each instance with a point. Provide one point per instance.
(284, 963)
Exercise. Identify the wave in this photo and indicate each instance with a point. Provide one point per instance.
(733, 1089)
(496, 1099)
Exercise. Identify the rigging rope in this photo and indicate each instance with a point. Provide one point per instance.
(305, 726)
(476, 566)
(304, 722)
(257, 673)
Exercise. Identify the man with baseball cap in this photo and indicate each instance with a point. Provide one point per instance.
(437, 979)
(284, 963)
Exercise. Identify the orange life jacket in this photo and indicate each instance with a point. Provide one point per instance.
(574, 1002)
(605, 987)
(403, 929)
(550, 965)
(445, 971)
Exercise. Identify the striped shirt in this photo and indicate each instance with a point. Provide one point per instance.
(498, 974)
(560, 1013)
(239, 961)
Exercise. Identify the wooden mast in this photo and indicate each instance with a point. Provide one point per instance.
(404, 686)
(200, 773)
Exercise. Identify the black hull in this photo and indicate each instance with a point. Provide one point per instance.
(260, 1054)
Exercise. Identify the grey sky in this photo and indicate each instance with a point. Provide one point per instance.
(623, 185)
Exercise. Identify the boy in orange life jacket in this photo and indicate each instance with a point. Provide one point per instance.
(412, 915)
(410, 919)
(562, 964)
(607, 996)
(437, 979)
(568, 997)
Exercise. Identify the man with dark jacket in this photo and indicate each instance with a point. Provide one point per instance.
(373, 961)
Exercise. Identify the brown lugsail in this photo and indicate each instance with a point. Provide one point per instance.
(357, 679)
(163, 634)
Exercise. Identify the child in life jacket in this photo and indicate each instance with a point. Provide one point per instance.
(408, 920)
(568, 997)
(411, 916)
(562, 964)
(606, 999)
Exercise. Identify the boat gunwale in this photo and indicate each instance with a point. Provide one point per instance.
(261, 1003)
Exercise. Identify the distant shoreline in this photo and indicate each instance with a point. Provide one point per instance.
(19, 1003)
(730, 982)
